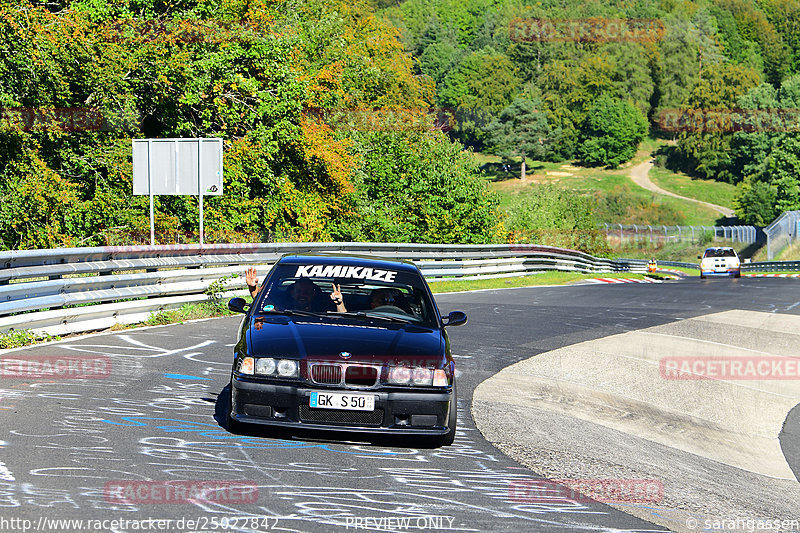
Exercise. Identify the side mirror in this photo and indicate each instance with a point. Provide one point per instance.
(455, 318)
(238, 305)
(699, 257)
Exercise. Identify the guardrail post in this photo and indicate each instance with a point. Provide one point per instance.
(692, 228)
(651, 233)
(620, 233)
(679, 233)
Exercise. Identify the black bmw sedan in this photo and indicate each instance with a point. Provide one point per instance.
(345, 343)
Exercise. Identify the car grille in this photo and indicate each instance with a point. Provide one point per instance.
(354, 374)
(328, 374)
(334, 416)
(361, 375)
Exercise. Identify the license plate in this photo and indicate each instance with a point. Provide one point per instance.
(335, 400)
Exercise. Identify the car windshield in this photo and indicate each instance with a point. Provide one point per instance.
(365, 292)
(720, 252)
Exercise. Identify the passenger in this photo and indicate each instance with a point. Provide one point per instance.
(305, 294)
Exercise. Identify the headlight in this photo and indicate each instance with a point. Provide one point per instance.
(400, 375)
(422, 376)
(246, 366)
(265, 366)
(287, 368)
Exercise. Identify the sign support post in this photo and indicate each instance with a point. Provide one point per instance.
(150, 190)
(200, 183)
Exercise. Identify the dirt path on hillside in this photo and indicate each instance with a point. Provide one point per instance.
(639, 175)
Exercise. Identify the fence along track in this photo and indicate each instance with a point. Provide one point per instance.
(71, 290)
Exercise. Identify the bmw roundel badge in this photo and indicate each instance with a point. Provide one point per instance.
(345, 355)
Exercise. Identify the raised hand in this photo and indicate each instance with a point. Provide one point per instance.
(336, 296)
(251, 278)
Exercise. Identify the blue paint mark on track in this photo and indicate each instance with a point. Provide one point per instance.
(184, 376)
(221, 438)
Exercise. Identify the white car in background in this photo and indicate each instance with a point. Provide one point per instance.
(720, 261)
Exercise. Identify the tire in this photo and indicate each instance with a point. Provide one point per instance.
(231, 424)
(702, 276)
(448, 438)
(738, 275)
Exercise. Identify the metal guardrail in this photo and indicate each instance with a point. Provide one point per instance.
(772, 266)
(72, 290)
(782, 232)
(760, 266)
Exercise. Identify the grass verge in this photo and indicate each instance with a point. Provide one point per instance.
(23, 337)
(618, 199)
(715, 192)
(545, 278)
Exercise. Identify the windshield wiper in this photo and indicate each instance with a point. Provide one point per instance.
(370, 316)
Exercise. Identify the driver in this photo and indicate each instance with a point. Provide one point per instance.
(389, 297)
(382, 297)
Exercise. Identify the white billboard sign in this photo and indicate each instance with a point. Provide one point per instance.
(177, 166)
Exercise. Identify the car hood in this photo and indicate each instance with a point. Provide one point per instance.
(363, 341)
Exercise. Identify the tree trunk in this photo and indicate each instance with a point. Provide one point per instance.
(522, 170)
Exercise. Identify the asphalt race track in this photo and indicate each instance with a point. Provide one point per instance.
(158, 415)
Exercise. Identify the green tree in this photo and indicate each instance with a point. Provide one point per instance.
(482, 85)
(755, 202)
(782, 171)
(418, 187)
(569, 89)
(612, 132)
(556, 217)
(521, 130)
(707, 151)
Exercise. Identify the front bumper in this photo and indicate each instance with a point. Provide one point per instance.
(413, 412)
(718, 272)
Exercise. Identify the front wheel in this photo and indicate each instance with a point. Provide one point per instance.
(231, 424)
(448, 438)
